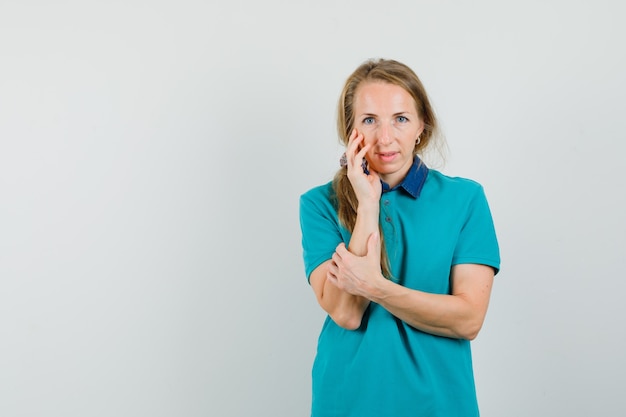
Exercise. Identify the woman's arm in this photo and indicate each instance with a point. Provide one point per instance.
(457, 315)
(344, 308)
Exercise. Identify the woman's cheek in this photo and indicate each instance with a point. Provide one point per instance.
(368, 139)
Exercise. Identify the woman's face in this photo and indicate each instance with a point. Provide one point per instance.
(387, 117)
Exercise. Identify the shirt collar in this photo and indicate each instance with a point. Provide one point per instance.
(414, 180)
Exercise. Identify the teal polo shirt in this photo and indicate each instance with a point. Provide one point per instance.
(386, 367)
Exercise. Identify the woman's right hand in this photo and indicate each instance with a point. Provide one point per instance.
(366, 187)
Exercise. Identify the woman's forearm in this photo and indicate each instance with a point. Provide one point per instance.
(457, 315)
(344, 308)
(366, 224)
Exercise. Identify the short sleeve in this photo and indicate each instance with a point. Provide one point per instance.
(477, 242)
(321, 232)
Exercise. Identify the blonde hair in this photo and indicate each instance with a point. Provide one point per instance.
(392, 72)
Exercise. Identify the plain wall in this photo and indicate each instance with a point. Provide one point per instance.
(152, 154)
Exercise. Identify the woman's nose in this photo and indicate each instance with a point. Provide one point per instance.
(384, 134)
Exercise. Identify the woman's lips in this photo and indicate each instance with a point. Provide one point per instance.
(387, 156)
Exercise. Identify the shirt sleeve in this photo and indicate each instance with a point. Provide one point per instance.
(320, 228)
(477, 242)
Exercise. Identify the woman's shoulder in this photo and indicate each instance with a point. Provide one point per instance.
(442, 183)
(319, 201)
(323, 192)
(452, 180)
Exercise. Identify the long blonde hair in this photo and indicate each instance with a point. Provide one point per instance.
(381, 70)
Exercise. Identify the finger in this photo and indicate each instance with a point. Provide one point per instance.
(373, 176)
(331, 272)
(339, 251)
(353, 135)
(331, 278)
(373, 244)
(361, 154)
(334, 266)
(356, 150)
(353, 145)
(351, 139)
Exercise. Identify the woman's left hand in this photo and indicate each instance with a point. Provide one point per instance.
(357, 275)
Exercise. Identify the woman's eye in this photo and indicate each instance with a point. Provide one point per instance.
(402, 119)
(368, 120)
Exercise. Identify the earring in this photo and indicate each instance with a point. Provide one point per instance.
(419, 139)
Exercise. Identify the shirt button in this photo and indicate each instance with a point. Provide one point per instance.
(386, 202)
(388, 219)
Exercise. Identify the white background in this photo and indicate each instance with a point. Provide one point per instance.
(151, 158)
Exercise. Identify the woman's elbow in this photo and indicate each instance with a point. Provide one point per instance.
(469, 330)
(471, 334)
(347, 321)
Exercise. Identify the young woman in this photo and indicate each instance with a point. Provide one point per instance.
(400, 256)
